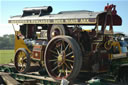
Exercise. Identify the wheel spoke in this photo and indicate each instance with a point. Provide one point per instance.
(66, 47)
(19, 54)
(66, 71)
(59, 74)
(22, 53)
(70, 60)
(22, 68)
(69, 54)
(67, 66)
(61, 48)
(53, 52)
(54, 63)
(18, 58)
(19, 64)
(54, 68)
(23, 63)
(71, 66)
(55, 56)
(63, 44)
(25, 60)
(53, 60)
(63, 69)
(57, 51)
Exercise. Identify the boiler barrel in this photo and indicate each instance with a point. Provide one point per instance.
(44, 10)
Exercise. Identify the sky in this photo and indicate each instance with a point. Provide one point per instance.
(10, 8)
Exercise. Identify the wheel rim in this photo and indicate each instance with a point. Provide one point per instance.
(21, 61)
(60, 59)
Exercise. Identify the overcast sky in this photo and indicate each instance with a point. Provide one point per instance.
(10, 8)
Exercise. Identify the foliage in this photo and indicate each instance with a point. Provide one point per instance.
(7, 42)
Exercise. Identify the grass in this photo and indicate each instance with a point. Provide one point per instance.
(6, 56)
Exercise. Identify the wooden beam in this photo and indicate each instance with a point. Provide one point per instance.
(38, 77)
(8, 79)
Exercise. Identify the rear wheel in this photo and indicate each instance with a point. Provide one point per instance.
(63, 58)
(56, 30)
(22, 60)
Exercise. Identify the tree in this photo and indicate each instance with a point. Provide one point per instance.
(7, 41)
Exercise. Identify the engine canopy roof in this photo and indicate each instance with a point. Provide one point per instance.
(82, 17)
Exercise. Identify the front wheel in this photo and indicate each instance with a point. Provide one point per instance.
(22, 60)
(63, 58)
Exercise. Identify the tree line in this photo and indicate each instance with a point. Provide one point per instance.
(7, 41)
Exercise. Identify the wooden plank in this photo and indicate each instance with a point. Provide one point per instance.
(8, 79)
(38, 77)
(8, 65)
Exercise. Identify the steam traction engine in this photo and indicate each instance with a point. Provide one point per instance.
(61, 42)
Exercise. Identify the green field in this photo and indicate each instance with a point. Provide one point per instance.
(6, 56)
